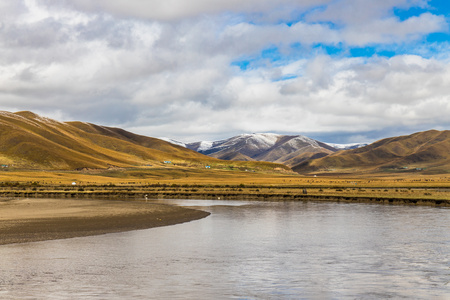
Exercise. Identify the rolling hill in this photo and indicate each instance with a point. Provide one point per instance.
(423, 151)
(285, 149)
(30, 141)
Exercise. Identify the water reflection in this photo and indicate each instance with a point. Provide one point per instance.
(247, 250)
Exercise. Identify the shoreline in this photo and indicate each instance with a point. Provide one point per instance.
(50, 216)
(306, 198)
(41, 219)
(222, 195)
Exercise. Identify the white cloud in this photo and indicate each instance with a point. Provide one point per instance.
(172, 10)
(353, 100)
(360, 12)
(168, 72)
(391, 30)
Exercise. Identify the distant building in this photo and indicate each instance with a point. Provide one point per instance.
(167, 162)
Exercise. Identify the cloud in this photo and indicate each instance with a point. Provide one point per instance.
(173, 10)
(359, 96)
(170, 70)
(381, 92)
(392, 30)
(10, 10)
(359, 12)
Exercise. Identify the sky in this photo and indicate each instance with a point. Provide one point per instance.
(340, 71)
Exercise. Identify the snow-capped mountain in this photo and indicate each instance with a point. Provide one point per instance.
(249, 141)
(286, 149)
(410, 153)
(347, 146)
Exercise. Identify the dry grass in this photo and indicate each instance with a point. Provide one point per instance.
(28, 141)
(174, 180)
(427, 151)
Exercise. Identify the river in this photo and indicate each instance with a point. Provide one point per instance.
(247, 250)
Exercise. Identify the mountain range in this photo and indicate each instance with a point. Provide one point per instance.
(289, 150)
(30, 141)
(286, 149)
(429, 150)
(423, 151)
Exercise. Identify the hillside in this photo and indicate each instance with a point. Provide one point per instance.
(427, 151)
(30, 141)
(285, 149)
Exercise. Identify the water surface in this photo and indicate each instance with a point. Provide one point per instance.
(247, 250)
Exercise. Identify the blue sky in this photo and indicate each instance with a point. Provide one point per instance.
(415, 46)
(336, 70)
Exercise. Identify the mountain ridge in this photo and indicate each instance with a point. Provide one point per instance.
(34, 141)
(271, 147)
(29, 141)
(416, 152)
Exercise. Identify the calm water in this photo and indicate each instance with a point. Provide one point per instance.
(247, 250)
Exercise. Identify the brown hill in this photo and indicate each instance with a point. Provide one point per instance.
(33, 142)
(429, 150)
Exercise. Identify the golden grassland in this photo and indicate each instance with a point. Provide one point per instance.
(29, 141)
(175, 181)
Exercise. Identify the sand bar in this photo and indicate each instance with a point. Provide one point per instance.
(30, 220)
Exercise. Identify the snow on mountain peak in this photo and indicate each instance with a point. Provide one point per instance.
(205, 145)
(346, 146)
(265, 140)
(300, 139)
(258, 140)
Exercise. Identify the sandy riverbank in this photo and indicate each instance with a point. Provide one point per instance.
(30, 220)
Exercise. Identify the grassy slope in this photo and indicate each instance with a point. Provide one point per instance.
(427, 149)
(33, 142)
